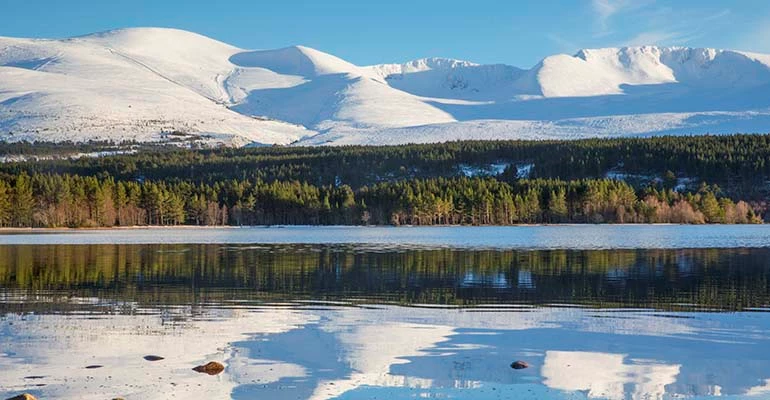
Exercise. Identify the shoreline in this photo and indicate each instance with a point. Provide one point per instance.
(10, 230)
(532, 237)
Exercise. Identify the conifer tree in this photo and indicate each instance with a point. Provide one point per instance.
(23, 201)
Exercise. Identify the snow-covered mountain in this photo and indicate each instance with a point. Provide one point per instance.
(145, 83)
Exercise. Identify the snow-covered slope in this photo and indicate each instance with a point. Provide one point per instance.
(144, 83)
(328, 92)
(126, 84)
(606, 71)
(454, 79)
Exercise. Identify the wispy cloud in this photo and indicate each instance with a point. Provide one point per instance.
(671, 27)
(605, 10)
(565, 45)
(645, 22)
(756, 39)
(717, 15)
(655, 38)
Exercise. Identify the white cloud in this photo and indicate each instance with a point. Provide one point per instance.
(717, 15)
(565, 45)
(605, 10)
(657, 38)
(656, 25)
(757, 39)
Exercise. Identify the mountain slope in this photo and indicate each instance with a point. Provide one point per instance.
(111, 87)
(328, 92)
(144, 83)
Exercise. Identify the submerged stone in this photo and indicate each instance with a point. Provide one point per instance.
(519, 365)
(211, 368)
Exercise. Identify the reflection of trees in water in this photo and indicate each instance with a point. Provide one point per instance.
(160, 274)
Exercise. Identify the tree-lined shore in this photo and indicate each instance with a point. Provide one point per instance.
(47, 200)
(693, 180)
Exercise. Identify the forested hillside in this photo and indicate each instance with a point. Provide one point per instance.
(707, 179)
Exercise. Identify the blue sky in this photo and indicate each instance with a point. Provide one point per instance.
(366, 32)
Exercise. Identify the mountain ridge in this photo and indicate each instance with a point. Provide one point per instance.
(142, 83)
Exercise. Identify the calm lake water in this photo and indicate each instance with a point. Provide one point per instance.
(599, 312)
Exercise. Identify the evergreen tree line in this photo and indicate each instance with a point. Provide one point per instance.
(64, 200)
(737, 163)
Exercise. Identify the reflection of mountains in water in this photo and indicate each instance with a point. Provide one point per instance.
(727, 279)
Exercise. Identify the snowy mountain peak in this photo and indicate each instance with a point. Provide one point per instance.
(420, 65)
(653, 51)
(146, 34)
(592, 72)
(144, 83)
(294, 60)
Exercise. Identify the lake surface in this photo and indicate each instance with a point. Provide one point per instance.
(599, 312)
(506, 237)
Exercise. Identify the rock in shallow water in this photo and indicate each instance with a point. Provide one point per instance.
(211, 368)
(519, 365)
(25, 396)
